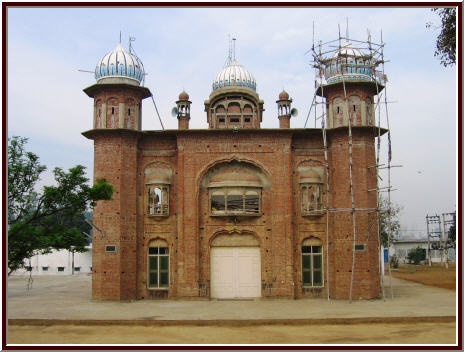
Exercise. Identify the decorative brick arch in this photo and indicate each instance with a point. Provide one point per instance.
(233, 157)
(231, 233)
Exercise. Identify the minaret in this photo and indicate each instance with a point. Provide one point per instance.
(118, 95)
(349, 91)
(183, 110)
(284, 108)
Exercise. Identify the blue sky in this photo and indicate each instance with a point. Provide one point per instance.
(184, 48)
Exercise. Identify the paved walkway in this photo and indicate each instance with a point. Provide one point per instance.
(69, 298)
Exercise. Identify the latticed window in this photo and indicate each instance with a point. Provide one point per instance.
(311, 257)
(158, 264)
(235, 201)
(158, 200)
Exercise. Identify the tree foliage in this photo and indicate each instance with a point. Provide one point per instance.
(445, 48)
(52, 219)
(415, 255)
(389, 216)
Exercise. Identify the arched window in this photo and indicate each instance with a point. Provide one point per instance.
(354, 103)
(311, 192)
(158, 200)
(369, 111)
(311, 263)
(158, 264)
(235, 201)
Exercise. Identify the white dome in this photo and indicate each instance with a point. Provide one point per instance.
(348, 63)
(120, 63)
(347, 50)
(234, 74)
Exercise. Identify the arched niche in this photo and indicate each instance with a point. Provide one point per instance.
(235, 173)
(312, 241)
(158, 242)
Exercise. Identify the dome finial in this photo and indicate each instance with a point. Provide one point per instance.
(231, 52)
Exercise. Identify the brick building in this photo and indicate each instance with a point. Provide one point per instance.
(235, 210)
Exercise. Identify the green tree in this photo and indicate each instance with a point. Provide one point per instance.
(445, 48)
(416, 255)
(389, 214)
(40, 222)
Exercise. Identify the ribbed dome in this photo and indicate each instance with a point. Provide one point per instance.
(183, 95)
(347, 50)
(120, 63)
(284, 95)
(234, 74)
(348, 63)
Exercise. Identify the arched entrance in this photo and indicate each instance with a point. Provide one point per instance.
(235, 266)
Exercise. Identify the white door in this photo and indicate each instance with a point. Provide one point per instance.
(235, 272)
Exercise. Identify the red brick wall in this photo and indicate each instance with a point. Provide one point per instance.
(114, 274)
(366, 275)
(122, 157)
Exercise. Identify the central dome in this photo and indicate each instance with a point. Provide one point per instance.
(234, 74)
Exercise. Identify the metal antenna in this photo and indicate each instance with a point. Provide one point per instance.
(131, 39)
(347, 33)
(233, 40)
(313, 37)
(120, 34)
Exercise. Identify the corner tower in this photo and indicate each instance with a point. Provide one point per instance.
(351, 83)
(118, 95)
(233, 102)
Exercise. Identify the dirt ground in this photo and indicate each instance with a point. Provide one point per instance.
(435, 275)
(397, 333)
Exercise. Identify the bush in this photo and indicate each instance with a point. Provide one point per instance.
(416, 255)
(394, 261)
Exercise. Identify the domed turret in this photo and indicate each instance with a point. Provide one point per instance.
(120, 64)
(234, 74)
(183, 95)
(118, 92)
(183, 110)
(234, 102)
(284, 95)
(284, 105)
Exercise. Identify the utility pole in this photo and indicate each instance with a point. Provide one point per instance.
(434, 235)
(72, 260)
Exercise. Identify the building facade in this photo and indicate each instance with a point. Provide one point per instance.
(58, 262)
(400, 248)
(234, 210)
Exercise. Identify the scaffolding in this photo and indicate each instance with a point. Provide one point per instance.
(332, 56)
